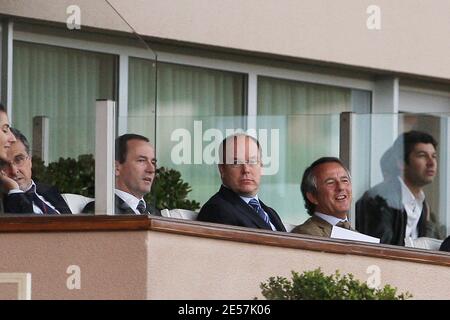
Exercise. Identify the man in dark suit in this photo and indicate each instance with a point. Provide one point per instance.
(23, 194)
(135, 169)
(327, 191)
(395, 209)
(445, 245)
(237, 202)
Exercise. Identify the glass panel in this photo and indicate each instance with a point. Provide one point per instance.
(309, 117)
(196, 100)
(35, 187)
(190, 101)
(191, 148)
(408, 205)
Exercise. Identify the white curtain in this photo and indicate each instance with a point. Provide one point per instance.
(63, 85)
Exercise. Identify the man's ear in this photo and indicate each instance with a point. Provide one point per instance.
(117, 168)
(221, 170)
(312, 198)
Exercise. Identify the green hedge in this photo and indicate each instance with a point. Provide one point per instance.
(314, 285)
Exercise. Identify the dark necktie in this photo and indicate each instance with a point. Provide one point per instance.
(344, 224)
(257, 207)
(33, 197)
(141, 207)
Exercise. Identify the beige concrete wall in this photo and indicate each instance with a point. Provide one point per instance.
(199, 268)
(158, 265)
(412, 39)
(112, 264)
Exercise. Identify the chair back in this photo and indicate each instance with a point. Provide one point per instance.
(289, 226)
(424, 243)
(76, 202)
(179, 214)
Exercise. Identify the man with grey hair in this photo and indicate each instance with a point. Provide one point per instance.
(237, 202)
(23, 195)
(327, 191)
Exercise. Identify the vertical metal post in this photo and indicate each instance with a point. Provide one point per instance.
(104, 156)
(345, 139)
(252, 101)
(384, 124)
(123, 95)
(444, 169)
(41, 125)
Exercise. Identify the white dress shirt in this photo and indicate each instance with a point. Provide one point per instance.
(330, 219)
(413, 207)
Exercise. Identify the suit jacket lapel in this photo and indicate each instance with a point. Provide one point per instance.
(276, 221)
(51, 195)
(323, 225)
(242, 207)
(122, 207)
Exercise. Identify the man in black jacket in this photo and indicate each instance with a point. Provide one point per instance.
(395, 209)
(23, 195)
(237, 202)
(135, 169)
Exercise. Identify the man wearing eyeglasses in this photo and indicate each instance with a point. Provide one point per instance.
(23, 194)
(237, 202)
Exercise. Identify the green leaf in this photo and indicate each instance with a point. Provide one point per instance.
(314, 285)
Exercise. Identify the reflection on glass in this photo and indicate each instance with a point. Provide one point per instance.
(400, 210)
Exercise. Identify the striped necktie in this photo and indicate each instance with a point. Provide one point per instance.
(257, 207)
(344, 224)
(141, 207)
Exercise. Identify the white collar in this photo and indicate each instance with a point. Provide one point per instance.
(407, 195)
(31, 186)
(328, 218)
(131, 200)
(247, 199)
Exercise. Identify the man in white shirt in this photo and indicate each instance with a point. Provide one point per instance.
(327, 191)
(135, 170)
(395, 210)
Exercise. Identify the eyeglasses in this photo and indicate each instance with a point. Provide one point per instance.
(18, 161)
(238, 163)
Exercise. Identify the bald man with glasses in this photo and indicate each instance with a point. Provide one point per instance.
(237, 202)
(22, 194)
